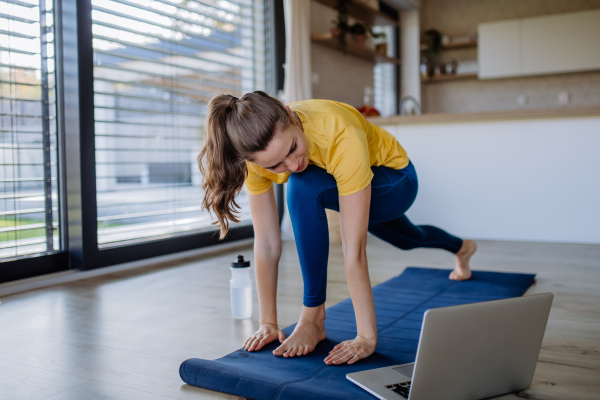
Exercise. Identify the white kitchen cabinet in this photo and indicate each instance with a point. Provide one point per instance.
(499, 52)
(561, 43)
(541, 45)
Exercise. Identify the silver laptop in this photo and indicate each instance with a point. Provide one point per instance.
(468, 352)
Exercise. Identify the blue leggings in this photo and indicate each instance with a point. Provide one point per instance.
(393, 191)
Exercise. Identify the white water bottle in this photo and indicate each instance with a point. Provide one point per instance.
(241, 289)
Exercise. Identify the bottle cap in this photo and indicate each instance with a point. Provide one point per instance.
(240, 263)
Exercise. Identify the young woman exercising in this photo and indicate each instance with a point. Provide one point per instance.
(331, 157)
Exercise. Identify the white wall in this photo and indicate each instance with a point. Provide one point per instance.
(524, 180)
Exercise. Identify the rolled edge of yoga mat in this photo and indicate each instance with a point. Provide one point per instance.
(222, 377)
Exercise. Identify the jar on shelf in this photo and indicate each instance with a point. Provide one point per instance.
(423, 67)
(450, 66)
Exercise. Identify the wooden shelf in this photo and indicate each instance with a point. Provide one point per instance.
(452, 46)
(363, 13)
(354, 49)
(451, 77)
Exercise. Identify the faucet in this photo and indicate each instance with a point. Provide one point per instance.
(416, 108)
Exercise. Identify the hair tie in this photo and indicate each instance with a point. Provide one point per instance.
(233, 99)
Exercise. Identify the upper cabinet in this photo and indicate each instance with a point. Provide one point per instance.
(543, 45)
(499, 52)
(561, 43)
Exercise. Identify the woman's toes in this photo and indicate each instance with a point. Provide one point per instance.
(292, 352)
(456, 276)
(300, 350)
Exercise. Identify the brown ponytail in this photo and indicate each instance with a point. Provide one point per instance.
(234, 129)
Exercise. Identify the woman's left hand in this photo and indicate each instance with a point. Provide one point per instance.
(351, 351)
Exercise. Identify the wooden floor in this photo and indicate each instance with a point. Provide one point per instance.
(124, 335)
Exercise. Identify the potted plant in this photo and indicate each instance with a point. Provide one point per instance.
(433, 40)
(359, 33)
(341, 26)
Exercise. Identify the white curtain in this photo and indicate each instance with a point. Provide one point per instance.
(297, 84)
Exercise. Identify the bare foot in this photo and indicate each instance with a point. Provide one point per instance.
(462, 271)
(307, 334)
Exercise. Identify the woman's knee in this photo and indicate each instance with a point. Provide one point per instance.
(393, 193)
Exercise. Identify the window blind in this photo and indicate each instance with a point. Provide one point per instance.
(156, 65)
(28, 170)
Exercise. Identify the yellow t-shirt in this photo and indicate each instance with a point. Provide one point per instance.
(341, 141)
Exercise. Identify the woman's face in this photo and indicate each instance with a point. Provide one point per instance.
(287, 151)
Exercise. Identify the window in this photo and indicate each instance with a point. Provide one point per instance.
(98, 152)
(28, 154)
(156, 65)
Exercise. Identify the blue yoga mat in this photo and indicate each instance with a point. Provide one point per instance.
(399, 304)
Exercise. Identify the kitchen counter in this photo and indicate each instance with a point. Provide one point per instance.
(527, 175)
(482, 116)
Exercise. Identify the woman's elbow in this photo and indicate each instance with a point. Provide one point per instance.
(357, 255)
(272, 246)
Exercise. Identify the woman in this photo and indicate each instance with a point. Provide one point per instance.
(331, 157)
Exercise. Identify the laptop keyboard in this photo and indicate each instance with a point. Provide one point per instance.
(401, 388)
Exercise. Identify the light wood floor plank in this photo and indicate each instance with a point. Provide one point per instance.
(25, 382)
(128, 369)
(94, 390)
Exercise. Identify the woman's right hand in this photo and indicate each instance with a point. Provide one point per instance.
(264, 335)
